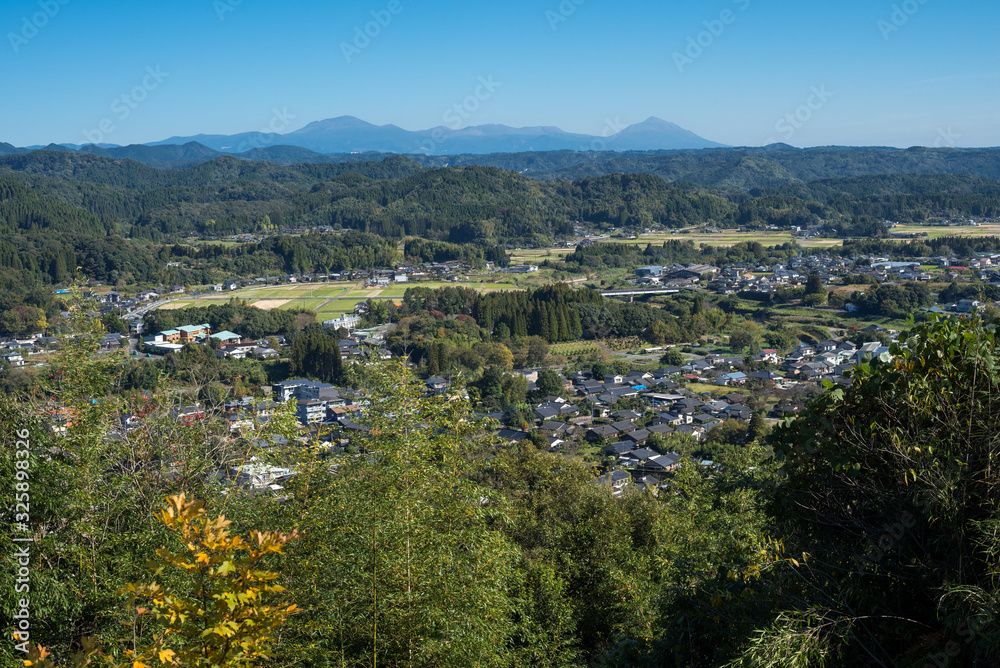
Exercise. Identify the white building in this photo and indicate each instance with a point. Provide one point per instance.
(347, 321)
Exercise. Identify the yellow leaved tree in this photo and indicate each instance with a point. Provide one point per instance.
(223, 617)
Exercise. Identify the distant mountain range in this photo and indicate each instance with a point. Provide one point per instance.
(344, 140)
(347, 134)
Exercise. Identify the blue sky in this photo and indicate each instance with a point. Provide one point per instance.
(852, 72)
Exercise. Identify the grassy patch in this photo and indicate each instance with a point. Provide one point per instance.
(714, 390)
(307, 304)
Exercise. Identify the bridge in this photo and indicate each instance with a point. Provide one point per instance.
(631, 294)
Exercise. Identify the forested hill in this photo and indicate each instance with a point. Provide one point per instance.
(742, 168)
(393, 197)
(396, 197)
(725, 168)
(132, 174)
(25, 211)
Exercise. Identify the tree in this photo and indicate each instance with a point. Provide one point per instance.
(113, 323)
(537, 351)
(600, 370)
(415, 569)
(757, 428)
(890, 484)
(730, 432)
(814, 299)
(226, 616)
(549, 383)
(814, 285)
(672, 357)
(223, 616)
(317, 354)
(836, 299)
(103, 492)
(213, 395)
(498, 355)
(748, 337)
(498, 389)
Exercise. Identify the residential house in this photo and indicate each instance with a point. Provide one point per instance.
(735, 378)
(968, 305)
(601, 432)
(639, 436)
(512, 435)
(13, 359)
(616, 481)
(624, 426)
(436, 384)
(661, 463)
(619, 449)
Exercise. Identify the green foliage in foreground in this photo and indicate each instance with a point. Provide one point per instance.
(892, 489)
(872, 545)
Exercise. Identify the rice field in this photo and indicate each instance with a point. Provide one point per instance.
(936, 232)
(732, 237)
(307, 290)
(326, 300)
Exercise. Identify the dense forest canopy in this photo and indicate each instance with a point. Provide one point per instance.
(397, 197)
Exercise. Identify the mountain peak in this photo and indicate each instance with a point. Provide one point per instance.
(655, 121)
(657, 134)
(338, 123)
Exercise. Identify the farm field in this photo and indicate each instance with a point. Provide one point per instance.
(572, 348)
(327, 300)
(732, 237)
(936, 232)
(537, 255)
(307, 290)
